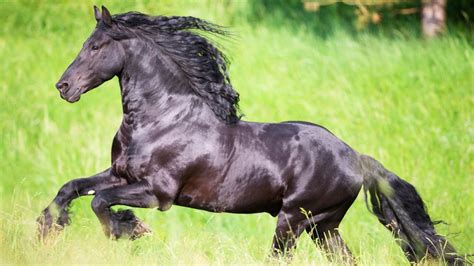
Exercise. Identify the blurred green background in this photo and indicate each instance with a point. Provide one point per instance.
(377, 84)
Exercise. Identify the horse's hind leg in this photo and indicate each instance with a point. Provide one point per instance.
(325, 234)
(56, 214)
(288, 229)
(331, 241)
(124, 223)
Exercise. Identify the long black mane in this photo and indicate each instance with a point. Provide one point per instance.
(204, 65)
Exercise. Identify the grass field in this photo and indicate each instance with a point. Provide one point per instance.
(405, 101)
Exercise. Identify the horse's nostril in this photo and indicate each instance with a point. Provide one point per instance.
(61, 86)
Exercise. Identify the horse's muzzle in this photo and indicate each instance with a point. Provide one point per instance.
(65, 92)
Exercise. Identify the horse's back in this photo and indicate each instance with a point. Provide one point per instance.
(303, 146)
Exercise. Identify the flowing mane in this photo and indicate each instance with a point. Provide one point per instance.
(203, 64)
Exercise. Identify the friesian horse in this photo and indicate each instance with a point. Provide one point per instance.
(181, 141)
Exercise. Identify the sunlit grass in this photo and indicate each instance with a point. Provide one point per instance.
(405, 101)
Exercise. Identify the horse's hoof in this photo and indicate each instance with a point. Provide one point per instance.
(140, 229)
(44, 223)
(127, 225)
(46, 227)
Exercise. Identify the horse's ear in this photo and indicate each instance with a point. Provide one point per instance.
(106, 17)
(97, 14)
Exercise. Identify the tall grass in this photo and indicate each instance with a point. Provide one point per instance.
(403, 100)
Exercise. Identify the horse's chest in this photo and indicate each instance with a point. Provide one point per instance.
(129, 158)
(131, 167)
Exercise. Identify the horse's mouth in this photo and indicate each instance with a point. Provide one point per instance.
(72, 98)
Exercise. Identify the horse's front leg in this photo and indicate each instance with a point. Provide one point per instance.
(124, 223)
(56, 216)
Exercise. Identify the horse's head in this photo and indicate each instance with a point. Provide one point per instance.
(100, 59)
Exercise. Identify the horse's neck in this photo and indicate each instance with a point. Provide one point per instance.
(152, 94)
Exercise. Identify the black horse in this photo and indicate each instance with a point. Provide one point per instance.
(182, 142)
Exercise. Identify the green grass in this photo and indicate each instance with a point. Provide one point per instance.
(405, 101)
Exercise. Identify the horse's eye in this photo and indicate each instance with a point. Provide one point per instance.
(95, 47)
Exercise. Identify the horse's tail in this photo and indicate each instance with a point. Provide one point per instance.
(400, 208)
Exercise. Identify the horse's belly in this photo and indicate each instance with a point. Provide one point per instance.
(235, 197)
